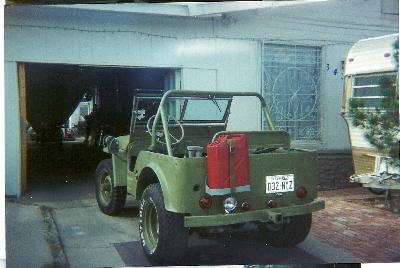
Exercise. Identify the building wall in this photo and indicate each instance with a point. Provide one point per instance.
(224, 51)
(12, 126)
(334, 169)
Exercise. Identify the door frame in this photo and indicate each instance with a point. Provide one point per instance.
(23, 125)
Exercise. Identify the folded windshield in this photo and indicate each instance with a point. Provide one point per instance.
(185, 109)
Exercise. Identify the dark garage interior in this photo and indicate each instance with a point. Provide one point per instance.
(54, 91)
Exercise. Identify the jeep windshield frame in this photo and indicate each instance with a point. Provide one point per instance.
(163, 115)
(186, 118)
(187, 110)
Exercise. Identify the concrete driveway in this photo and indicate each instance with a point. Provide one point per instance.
(57, 223)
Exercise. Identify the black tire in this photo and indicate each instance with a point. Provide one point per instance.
(166, 242)
(110, 199)
(287, 234)
(376, 191)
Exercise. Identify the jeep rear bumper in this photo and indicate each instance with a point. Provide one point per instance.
(274, 215)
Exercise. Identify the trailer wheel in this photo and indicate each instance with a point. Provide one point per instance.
(289, 234)
(110, 198)
(376, 191)
(162, 234)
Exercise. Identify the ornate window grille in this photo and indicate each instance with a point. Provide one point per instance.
(291, 88)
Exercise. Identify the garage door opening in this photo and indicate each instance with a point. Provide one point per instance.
(57, 100)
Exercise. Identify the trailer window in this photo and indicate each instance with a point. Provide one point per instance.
(367, 89)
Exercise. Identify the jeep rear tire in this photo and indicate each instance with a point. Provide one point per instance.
(162, 234)
(288, 234)
(110, 198)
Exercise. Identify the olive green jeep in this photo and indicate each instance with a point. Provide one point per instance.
(179, 161)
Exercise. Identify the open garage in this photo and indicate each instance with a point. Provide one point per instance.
(52, 93)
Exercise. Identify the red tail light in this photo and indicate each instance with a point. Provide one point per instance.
(301, 192)
(246, 206)
(272, 204)
(205, 202)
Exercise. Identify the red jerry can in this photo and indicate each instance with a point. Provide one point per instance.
(228, 165)
(218, 166)
(240, 155)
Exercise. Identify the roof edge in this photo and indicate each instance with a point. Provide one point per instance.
(186, 9)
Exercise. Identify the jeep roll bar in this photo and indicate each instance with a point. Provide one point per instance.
(189, 93)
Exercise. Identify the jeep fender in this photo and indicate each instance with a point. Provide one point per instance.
(164, 186)
(119, 169)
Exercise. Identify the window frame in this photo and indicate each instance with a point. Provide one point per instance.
(317, 95)
(378, 75)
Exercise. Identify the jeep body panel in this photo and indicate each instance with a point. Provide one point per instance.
(273, 215)
(183, 182)
(119, 161)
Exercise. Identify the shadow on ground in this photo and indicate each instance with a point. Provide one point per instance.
(232, 250)
(61, 172)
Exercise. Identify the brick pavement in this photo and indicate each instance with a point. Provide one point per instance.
(369, 233)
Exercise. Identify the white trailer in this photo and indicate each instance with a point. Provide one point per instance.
(367, 61)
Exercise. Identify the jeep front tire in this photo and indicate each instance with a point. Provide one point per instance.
(162, 233)
(110, 198)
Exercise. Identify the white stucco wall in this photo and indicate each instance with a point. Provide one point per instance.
(227, 47)
(334, 132)
(12, 134)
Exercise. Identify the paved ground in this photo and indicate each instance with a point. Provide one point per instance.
(205, 252)
(92, 239)
(57, 222)
(25, 223)
(365, 229)
(344, 232)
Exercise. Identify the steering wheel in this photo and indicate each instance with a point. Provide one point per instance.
(160, 132)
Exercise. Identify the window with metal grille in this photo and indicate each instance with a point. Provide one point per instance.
(291, 88)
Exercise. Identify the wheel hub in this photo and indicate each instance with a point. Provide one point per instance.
(105, 188)
(150, 226)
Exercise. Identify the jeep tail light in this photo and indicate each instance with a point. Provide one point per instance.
(246, 206)
(301, 192)
(272, 204)
(205, 202)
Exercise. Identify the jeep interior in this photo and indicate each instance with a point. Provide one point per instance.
(193, 122)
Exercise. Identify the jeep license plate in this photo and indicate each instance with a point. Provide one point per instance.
(279, 183)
